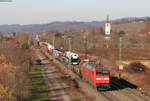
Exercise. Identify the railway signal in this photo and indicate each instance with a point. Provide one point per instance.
(107, 31)
(107, 27)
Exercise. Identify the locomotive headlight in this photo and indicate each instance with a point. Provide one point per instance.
(105, 78)
(102, 78)
(98, 78)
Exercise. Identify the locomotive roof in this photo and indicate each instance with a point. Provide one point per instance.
(94, 66)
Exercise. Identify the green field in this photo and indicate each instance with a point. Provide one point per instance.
(39, 91)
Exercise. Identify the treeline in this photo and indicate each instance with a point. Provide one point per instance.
(15, 63)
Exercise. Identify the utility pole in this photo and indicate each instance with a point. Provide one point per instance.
(86, 34)
(29, 40)
(69, 44)
(120, 56)
(120, 49)
(53, 46)
(107, 41)
(70, 51)
(37, 39)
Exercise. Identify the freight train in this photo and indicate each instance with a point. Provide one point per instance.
(95, 74)
(68, 56)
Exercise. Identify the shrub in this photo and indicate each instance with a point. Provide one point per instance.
(25, 46)
(6, 94)
(121, 33)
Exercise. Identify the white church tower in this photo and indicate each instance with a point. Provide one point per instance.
(107, 27)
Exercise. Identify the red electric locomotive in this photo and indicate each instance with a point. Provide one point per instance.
(98, 76)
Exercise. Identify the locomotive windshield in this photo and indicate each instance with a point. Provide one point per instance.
(75, 60)
(102, 72)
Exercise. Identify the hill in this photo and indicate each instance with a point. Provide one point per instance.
(68, 25)
(54, 26)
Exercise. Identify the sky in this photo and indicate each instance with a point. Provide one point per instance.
(46, 11)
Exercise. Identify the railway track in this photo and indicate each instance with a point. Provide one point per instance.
(118, 92)
(121, 93)
(130, 91)
(109, 96)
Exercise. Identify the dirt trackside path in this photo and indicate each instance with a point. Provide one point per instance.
(56, 88)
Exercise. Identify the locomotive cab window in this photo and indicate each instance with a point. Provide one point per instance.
(102, 72)
(75, 60)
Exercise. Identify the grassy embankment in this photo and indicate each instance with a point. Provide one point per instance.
(39, 91)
